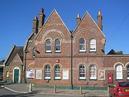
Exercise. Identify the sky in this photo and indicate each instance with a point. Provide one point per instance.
(16, 20)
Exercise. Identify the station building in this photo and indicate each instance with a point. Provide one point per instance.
(54, 55)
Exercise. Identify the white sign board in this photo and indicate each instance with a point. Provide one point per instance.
(101, 75)
(65, 74)
(38, 74)
(30, 73)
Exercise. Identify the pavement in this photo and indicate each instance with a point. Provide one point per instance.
(25, 88)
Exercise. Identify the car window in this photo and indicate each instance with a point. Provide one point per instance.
(124, 84)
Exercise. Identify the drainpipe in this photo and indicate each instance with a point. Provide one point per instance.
(71, 60)
(25, 67)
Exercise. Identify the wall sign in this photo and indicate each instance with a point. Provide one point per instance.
(101, 75)
(65, 74)
(38, 74)
(30, 73)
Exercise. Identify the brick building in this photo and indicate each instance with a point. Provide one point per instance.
(13, 71)
(55, 55)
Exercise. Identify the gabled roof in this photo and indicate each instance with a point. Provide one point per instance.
(15, 50)
(54, 12)
(113, 52)
(31, 37)
(87, 14)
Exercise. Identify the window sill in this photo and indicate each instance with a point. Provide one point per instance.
(57, 51)
(93, 78)
(57, 78)
(47, 78)
(48, 51)
(82, 51)
(82, 78)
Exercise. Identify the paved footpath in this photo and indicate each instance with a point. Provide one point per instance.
(24, 88)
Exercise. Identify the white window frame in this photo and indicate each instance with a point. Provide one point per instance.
(46, 72)
(127, 67)
(57, 45)
(84, 44)
(48, 51)
(93, 45)
(83, 72)
(93, 70)
(57, 72)
(119, 72)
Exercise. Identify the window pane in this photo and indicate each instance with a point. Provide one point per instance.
(48, 45)
(57, 72)
(128, 72)
(82, 72)
(92, 72)
(119, 73)
(82, 44)
(57, 45)
(47, 72)
(93, 45)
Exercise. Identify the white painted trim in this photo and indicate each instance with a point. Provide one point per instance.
(116, 72)
(57, 77)
(19, 80)
(93, 41)
(93, 78)
(117, 64)
(9, 54)
(47, 78)
(126, 65)
(82, 78)
(96, 72)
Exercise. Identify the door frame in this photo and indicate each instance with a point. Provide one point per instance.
(19, 79)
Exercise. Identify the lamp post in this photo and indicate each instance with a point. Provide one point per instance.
(22, 73)
(25, 66)
(71, 60)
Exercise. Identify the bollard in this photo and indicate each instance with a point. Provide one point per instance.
(80, 89)
(30, 87)
(108, 91)
(54, 88)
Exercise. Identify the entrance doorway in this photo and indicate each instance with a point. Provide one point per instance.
(16, 75)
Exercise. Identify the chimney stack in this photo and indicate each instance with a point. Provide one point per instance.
(41, 18)
(100, 20)
(78, 19)
(35, 25)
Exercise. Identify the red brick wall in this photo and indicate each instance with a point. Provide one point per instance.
(16, 62)
(87, 29)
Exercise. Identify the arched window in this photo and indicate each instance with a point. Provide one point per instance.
(82, 72)
(47, 72)
(93, 72)
(82, 45)
(119, 71)
(92, 45)
(128, 71)
(48, 45)
(57, 45)
(57, 72)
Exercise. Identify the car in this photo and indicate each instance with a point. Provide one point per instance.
(119, 89)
